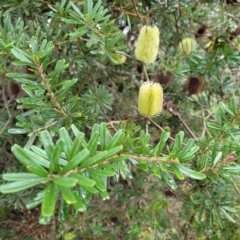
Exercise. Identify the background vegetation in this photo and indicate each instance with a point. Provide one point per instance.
(76, 160)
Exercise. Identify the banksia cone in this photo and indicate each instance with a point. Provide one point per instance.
(150, 99)
(147, 44)
(121, 59)
(165, 79)
(193, 85)
(13, 88)
(187, 46)
(202, 32)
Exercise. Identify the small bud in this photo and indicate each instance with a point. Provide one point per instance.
(150, 99)
(187, 46)
(121, 59)
(147, 44)
(193, 85)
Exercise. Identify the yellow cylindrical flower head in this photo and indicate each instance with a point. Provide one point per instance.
(121, 59)
(150, 99)
(187, 46)
(147, 44)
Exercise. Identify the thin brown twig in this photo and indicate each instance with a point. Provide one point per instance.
(145, 71)
(163, 130)
(149, 13)
(50, 92)
(233, 46)
(185, 125)
(125, 54)
(129, 13)
(236, 189)
(45, 127)
(136, 10)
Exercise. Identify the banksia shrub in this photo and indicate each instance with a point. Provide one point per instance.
(187, 46)
(147, 44)
(193, 85)
(150, 99)
(120, 59)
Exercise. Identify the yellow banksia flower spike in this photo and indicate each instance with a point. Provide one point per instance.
(147, 44)
(187, 46)
(150, 99)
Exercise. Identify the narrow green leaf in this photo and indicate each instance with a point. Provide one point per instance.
(82, 180)
(37, 200)
(65, 181)
(96, 7)
(43, 154)
(19, 176)
(232, 168)
(90, 189)
(54, 161)
(67, 140)
(26, 159)
(92, 144)
(217, 158)
(104, 136)
(101, 156)
(119, 159)
(47, 142)
(82, 156)
(168, 179)
(88, 7)
(76, 132)
(163, 139)
(99, 184)
(101, 173)
(20, 55)
(79, 206)
(18, 131)
(112, 166)
(177, 145)
(76, 147)
(227, 215)
(21, 185)
(218, 115)
(191, 173)
(68, 195)
(49, 200)
(230, 209)
(228, 109)
(104, 195)
(155, 169)
(186, 149)
(190, 155)
(44, 220)
(234, 105)
(116, 140)
(177, 172)
(63, 213)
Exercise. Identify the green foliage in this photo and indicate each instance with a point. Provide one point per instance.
(69, 117)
